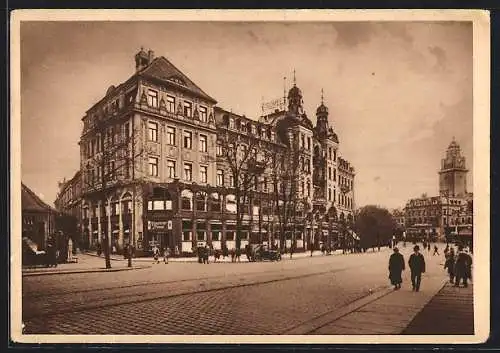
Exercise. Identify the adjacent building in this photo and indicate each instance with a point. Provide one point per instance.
(68, 203)
(450, 213)
(38, 218)
(153, 169)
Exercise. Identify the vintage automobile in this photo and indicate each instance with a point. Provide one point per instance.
(262, 252)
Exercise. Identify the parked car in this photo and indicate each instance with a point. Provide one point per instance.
(262, 252)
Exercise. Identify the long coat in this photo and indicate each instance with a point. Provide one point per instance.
(396, 266)
(417, 263)
(462, 265)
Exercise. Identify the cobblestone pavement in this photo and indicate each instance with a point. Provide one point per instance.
(190, 298)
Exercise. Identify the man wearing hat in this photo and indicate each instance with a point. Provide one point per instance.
(396, 266)
(417, 267)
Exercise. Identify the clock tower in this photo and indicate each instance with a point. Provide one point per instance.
(453, 173)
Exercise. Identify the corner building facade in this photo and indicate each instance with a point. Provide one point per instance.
(176, 190)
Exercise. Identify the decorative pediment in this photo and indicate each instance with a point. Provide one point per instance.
(179, 109)
(162, 104)
(211, 119)
(196, 114)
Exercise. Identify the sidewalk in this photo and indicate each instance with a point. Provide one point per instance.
(85, 264)
(243, 258)
(450, 312)
(438, 308)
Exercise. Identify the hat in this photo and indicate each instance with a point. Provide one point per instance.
(416, 248)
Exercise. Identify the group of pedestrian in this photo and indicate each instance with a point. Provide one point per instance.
(459, 266)
(397, 266)
(157, 253)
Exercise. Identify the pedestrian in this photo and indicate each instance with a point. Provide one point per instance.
(166, 255)
(446, 251)
(233, 254)
(417, 267)
(98, 248)
(225, 252)
(312, 249)
(462, 265)
(435, 250)
(156, 254)
(238, 254)
(206, 254)
(248, 252)
(429, 247)
(450, 265)
(396, 266)
(217, 254)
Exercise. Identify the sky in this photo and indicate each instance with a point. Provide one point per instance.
(397, 92)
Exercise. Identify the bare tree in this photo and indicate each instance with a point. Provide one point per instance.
(113, 150)
(247, 161)
(288, 166)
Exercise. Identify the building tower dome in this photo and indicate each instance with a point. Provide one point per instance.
(322, 118)
(453, 173)
(295, 99)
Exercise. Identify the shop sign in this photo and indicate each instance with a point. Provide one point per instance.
(157, 225)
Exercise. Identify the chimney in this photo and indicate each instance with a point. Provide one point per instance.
(151, 56)
(143, 59)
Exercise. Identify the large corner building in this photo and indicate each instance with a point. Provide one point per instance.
(174, 188)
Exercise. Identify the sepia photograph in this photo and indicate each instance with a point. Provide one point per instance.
(250, 176)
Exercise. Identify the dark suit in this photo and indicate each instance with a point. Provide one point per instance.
(417, 267)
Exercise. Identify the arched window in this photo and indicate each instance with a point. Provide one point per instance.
(231, 203)
(201, 201)
(215, 202)
(186, 200)
(126, 202)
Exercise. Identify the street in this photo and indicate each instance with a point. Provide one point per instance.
(222, 298)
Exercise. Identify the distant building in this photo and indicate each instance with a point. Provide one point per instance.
(179, 192)
(69, 205)
(38, 218)
(450, 213)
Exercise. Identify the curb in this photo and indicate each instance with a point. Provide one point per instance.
(48, 273)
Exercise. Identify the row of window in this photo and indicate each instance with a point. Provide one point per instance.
(171, 170)
(114, 209)
(305, 143)
(187, 137)
(345, 181)
(96, 144)
(249, 127)
(170, 105)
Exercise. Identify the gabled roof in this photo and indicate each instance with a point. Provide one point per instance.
(161, 68)
(31, 202)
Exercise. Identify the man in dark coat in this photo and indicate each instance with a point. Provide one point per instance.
(396, 266)
(417, 267)
(450, 264)
(462, 267)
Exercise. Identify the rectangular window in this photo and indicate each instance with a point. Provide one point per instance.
(186, 236)
(170, 104)
(220, 177)
(126, 207)
(265, 184)
(219, 149)
(171, 169)
(329, 153)
(188, 139)
(188, 172)
(153, 131)
(302, 141)
(170, 136)
(231, 180)
(335, 175)
(153, 166)
(152, 98)
(203, 174)
(203, 143)
(112, 170)
(308, 143)
(329, 194)
(334, 155)
(203, 114)
(330, 173)
(188, 109)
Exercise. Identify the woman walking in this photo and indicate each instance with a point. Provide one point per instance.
(450, 264)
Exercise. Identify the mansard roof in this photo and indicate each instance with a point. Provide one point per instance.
(162, 69)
